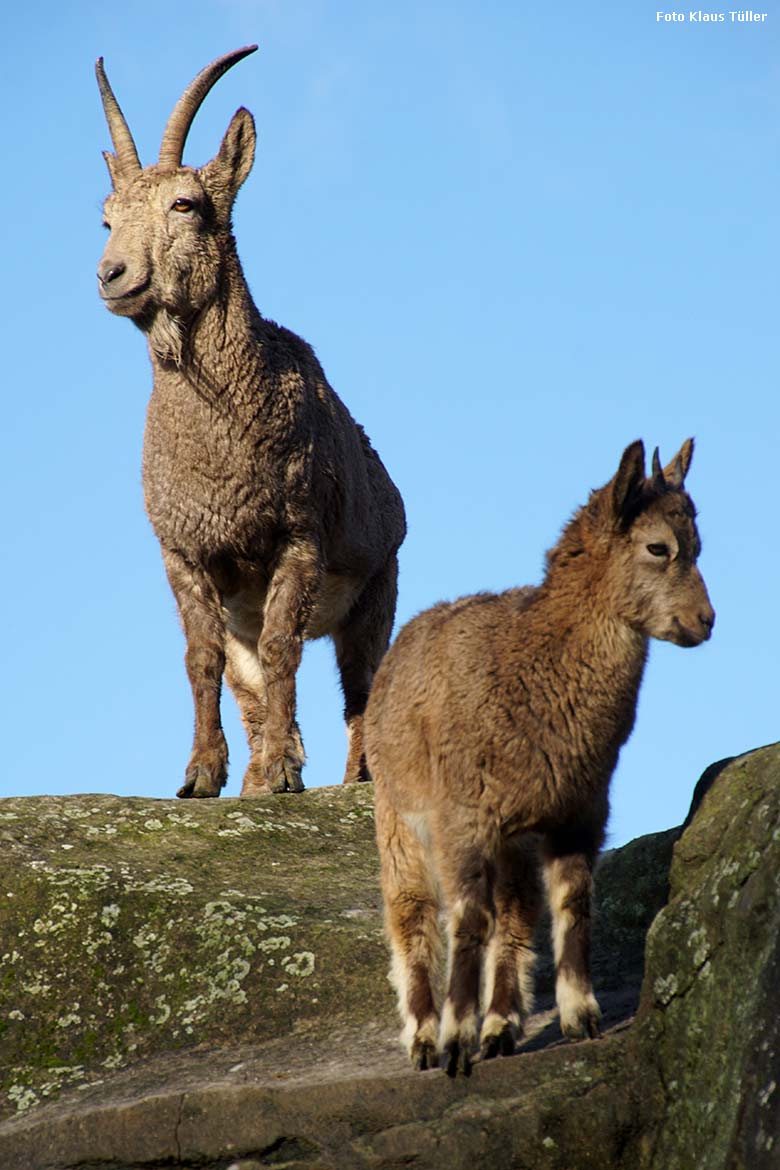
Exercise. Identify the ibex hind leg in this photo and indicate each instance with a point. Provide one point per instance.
(288, 604)
(411, 922)
(568, 874)
(361, 641)
(509, 960)
(245, 678)
(470, 924)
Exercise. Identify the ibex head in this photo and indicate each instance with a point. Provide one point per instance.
(170, 224)
(655, 546)
(641, 545)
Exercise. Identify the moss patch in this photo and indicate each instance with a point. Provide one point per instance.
(131, 927)
(708, 1037)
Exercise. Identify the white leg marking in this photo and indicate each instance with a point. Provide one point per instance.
(428, 1032)
(418, 823)
(245, 663)
(562, 919)
(398, 976)
(448, 1029)
(464, 1031)
(489, 973)
(494, 1024)
(577, 1006)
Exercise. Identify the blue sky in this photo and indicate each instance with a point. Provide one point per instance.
(518, 238)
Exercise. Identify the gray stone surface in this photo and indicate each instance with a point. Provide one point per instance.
(708, 1032)
(205, 985)
(131, 928)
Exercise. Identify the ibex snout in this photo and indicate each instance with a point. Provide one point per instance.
(110, 270)
(696, 627)
(707, 619)
(120, 284)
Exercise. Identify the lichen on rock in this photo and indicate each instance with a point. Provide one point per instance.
(708, 1036)
(136, 927)
(209, 980)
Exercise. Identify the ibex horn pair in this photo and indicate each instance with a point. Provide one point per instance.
(674, 474)
(172, 145)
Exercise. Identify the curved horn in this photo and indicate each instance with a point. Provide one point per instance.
(172, 145)
(658, 475)
(126, 153)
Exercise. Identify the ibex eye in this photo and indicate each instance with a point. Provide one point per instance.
(658, 550)
(182, 205)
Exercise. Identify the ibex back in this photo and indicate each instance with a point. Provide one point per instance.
(276, 517)
(492, 731)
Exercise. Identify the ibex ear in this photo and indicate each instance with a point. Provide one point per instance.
(628, 482)
(675, 472)
(230, 167)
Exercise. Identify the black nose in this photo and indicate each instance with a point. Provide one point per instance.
(707, 619)
(110, 270)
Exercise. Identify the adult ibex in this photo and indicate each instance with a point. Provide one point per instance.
(276, 517)
(492, 731)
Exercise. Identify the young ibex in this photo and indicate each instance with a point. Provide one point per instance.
(276, 517)
(492, 731)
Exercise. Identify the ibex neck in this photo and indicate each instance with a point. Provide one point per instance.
(220, 352)
(602, 657)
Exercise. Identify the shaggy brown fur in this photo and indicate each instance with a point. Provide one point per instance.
(276, 517)
(492, 731)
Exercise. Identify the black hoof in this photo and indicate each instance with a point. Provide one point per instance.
(424, 1056)
(284, 776)
(457, 1060)
(501, 1044)
(200, 782)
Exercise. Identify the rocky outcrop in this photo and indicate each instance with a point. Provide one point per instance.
(203, 984)
(707, 1038)
(131, 928)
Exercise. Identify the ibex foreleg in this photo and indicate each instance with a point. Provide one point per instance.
(288, 604)
(199, 607)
